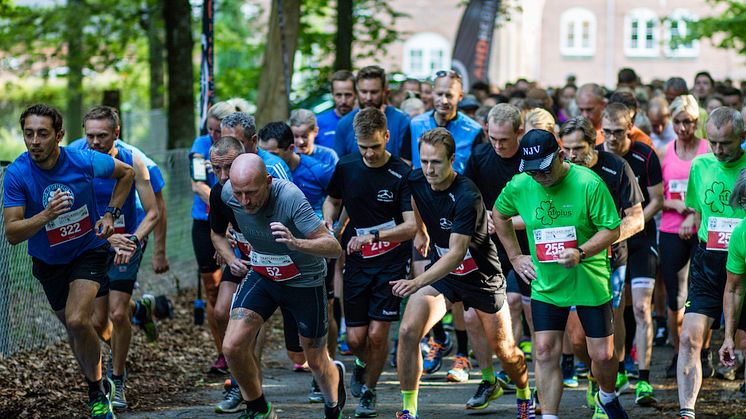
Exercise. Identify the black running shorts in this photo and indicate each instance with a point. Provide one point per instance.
(597, 321)
(203, 248)
(367, 293)
(487, 296)
(707, 279)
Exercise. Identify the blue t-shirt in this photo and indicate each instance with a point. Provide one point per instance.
(202, 146)
(325, 155)
(275, 165)
(72, 233)
(398, 125)
(312, 177)
(327, 123)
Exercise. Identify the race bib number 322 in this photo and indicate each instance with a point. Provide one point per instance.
(550, 242)
(69, 226)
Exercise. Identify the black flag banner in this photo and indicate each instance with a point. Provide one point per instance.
(206, 81)
(471, 53)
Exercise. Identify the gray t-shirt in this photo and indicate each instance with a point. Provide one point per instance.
(286, 205)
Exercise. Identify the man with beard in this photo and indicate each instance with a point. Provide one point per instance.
(343, 93)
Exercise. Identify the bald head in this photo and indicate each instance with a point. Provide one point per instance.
(591, 102)
(247, 167)
(250, 182)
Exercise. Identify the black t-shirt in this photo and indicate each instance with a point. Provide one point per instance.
(620, 179)
(374, 197)
(458, 209)
(491, 173)
(647, 169)
(221, 215)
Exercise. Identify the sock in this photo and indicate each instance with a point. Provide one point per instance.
(606, 397)
(337, 307)
(342, 326)
(439, 334)
(409, 401)
(94, 388)
(630, 325)
(331, 411)
(462, 343)
(523, 393)
(331, 405)
(545, 416)
(117, 377)
(645, 375)
(488, 375)
(687, 413)
(568, 362)
(622, 368)
(359, 362)
(258, 405)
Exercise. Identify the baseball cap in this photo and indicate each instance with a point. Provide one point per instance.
(538, 148)
(468, 102)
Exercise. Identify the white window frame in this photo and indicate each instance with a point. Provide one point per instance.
(642, 16)
(430, 44)
(577, 17)
(680, 16)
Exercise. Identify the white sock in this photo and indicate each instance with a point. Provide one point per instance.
(606, 397)
(549, 417)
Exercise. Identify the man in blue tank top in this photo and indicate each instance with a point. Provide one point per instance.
(49, 201)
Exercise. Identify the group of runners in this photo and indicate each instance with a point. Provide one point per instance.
(517, 212)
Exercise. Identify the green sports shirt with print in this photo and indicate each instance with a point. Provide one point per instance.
(564, 215)
(737, 250)
(708, 192)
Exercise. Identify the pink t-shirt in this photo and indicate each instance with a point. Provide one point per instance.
(675, 179)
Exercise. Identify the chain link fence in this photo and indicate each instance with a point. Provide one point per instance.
(26, 319)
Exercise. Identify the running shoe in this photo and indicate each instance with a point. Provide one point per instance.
(232, 401)
(164, 308)
(581, 370)
(486, 392)
(569, 379)
(611, 410)
(434, 359)
(459, 373)
(341, 392)
(537, 403)
(220, 366)
(147, 324)
(119, 401)
(448, 322)
(730, 373)
(526, 408)
(252, 414)
(344, 349)
(630, 364)
(590, 393)
(644, 394)
(314, 394)
(622, 383)
(527, 347)
(505, 382)
(357, 380)
(366, 408)
(708, 370)
(301, 367)
(404, 414)
(101, 407)
(671, 369)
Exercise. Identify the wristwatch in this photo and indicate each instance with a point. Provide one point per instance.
(135, 240)
(582, 253)
(114, 211)
(376, 235)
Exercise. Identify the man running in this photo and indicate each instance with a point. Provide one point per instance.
(568, 238)
(305, 133)
(372, 186)
(466, 269)
(711, 181)
(344, 95)
(289, 244)
(48, 200)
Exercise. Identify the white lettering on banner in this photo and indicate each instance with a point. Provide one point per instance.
(378, 248)
(550, 242)
(677, 188)
(467, 266)
(69, 226)
(719, 230)
(275, 267)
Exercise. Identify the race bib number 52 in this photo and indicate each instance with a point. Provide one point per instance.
(69, 226)
(719, 230)
(550, 242)
(274, 267)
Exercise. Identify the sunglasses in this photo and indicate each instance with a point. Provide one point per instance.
(538, 172)
(447, 73)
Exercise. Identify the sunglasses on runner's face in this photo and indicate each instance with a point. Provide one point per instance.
(447, 73)
(538, 172)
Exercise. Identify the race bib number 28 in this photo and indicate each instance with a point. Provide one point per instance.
(719, 230)
(550, 242)
(69, 226)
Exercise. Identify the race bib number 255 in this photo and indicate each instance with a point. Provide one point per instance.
(550, 242)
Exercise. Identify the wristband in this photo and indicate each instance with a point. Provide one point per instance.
(582, 254)
(135, 240)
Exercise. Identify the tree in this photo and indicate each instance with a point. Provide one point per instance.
(344, 36)
(177, 15)
(730, 24)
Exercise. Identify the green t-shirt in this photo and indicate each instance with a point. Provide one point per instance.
(708, 193)
(737, 250)
(580, 203)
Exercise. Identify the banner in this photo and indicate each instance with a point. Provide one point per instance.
(206, 81)
(471, 53)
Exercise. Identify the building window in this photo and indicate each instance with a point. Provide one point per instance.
(641, 35)
(675, 30)
(425, 53)
(577, 32)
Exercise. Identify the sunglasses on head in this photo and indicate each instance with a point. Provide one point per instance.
(447, 73)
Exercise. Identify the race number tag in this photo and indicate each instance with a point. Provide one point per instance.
(378, 248)
(274, 267)
(119, 225)
(243, 244)
(719, 230)
(199, 169)
(677, 188)
(69, 226)
(550, 242)
(467, 266)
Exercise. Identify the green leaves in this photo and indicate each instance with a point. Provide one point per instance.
(726, 30)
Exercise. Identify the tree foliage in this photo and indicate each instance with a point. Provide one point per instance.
(727, 30)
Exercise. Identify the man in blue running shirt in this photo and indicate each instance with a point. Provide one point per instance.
(344, 95)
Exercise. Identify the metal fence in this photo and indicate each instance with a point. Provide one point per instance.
(26, 319)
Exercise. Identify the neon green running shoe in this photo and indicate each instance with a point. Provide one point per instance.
(622, 383)
(644, 394)
(590, 393)
(251, 414)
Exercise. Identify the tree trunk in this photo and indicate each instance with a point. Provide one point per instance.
(177, 15)
(273, 100)
(154, 30)
(75, 62)
(343, 38)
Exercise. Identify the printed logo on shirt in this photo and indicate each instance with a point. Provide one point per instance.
(717, 197)
(50, 190)
(385, 195)
(546, 213)
(445, 224)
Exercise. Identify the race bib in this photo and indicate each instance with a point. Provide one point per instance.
(467, 266)
(550, 242)
(275, 267)
(677, 188)
(719, 230)
(69, 226)
(119, 225)
(378, 248)
(243, 244)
